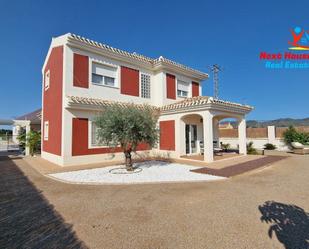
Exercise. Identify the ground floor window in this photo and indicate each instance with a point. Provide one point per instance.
(94, 134)
(94, 141)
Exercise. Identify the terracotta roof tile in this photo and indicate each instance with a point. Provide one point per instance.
(201, 100)
(34, 116)
(100, 102)
(188, 102)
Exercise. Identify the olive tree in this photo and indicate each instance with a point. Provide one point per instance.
(127, 126)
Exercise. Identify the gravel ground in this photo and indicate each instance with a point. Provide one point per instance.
(147, 172)
(267, 208)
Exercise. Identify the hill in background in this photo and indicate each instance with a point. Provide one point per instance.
(282, 122)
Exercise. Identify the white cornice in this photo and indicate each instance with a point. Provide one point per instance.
(188, 105)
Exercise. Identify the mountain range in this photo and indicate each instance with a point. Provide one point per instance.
(282, 122)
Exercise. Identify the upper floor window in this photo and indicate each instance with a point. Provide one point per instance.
(46, 79)
(182, 88)
(145, 86)
(103, 75)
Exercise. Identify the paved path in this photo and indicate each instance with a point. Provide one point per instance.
(267, 208)
(240, 168)
(27, 219)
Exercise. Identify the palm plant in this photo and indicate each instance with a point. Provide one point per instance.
(33, 141)
(250, 149)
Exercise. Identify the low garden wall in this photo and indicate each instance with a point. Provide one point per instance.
(259, 136)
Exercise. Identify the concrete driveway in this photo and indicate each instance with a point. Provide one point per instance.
(267, 208)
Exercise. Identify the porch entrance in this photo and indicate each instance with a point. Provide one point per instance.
(191, 138)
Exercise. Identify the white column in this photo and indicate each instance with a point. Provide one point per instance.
(208, 136)
(179, 136)
(27, 150)
(182, 137)
(242, 137)
(271, 133)
(16, 130)
(216, 131)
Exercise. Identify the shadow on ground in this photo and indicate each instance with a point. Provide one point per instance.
(290, 224)
(27, 219)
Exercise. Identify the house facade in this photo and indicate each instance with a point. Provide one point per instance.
(81, 77)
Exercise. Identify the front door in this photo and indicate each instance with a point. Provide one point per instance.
(191, 137)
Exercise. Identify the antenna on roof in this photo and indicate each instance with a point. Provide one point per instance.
(215, 70)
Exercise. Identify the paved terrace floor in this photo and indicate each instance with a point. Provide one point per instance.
(267, 208)
(217, 157)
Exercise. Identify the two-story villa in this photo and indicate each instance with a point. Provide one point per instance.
(81, 76)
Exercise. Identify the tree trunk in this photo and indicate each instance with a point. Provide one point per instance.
(128, 157)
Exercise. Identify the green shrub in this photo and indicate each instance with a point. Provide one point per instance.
(269, 146)
(225, 146)
(292, 135)
(33, 141)
(250, 149)
(21, 137)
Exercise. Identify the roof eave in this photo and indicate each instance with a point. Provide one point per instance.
(199, 76)
(240, 110)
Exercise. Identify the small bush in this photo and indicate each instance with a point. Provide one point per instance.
(269, 146)
(250, 149)
(292, 135)
(225, 146)
(21, 137)
(33, 141)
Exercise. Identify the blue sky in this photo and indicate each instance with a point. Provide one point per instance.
(196, 33)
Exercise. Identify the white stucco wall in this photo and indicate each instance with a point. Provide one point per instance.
(258, 143)
(157, 81)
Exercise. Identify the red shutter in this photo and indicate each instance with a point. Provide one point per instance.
(167, 135)
(129, 81)
(170, 86)
(195, 89)
(80, 71)
(79, 136)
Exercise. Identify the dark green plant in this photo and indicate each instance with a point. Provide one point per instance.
(269, 146)
(225, 147)
(292, 135)
(21, 137)
(33, 141)
(127, 127)
(250, 149)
